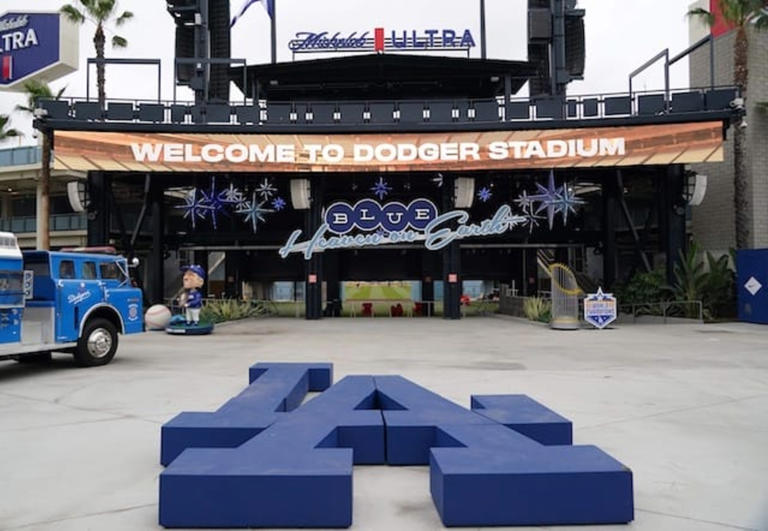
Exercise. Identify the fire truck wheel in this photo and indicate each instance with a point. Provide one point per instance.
(97, 345)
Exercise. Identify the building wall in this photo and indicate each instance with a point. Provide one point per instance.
(713, 222)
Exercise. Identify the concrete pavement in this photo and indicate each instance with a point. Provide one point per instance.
(684, 406)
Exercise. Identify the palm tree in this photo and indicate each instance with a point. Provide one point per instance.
(739, 14)
(100, 12)
(36, 91)
(5, 131)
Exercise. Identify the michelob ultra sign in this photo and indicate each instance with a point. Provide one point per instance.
(452, 151)
(36, 45)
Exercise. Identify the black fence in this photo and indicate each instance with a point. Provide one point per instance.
(361, 113)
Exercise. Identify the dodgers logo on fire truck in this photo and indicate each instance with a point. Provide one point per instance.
(383, 39)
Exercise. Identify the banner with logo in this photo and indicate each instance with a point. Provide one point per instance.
(36, 45)
(309, 29)
(384, 152)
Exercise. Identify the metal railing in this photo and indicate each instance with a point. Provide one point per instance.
(394, 112)
(20, 156)
(58, 222)
(665, 310)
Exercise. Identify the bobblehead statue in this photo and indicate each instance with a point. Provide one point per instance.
(191, 301)
(192, 298)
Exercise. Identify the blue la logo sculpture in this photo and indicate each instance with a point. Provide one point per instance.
(262, 460)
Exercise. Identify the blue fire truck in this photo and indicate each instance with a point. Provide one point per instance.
(65, 302)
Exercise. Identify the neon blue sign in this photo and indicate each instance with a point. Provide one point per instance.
(395, 222)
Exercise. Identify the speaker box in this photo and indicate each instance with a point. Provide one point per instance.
(220, 35)
(77, 195)
(464, 192)
(300, 194)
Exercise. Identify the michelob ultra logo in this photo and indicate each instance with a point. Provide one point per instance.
(367, 215)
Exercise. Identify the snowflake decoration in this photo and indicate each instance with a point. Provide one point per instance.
(278, 203)
(231, 195)
(214, 202)
(523, 201)
(253, 211)
(381, 189)
(531, 218)
(266, 190)
(484, 194)
(194, 208)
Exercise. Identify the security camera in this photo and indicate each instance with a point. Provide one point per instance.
(35, 134)
(738, 103)
(40, 113)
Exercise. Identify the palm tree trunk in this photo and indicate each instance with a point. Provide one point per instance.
(43, 228)
(740, 200)
(98, 42)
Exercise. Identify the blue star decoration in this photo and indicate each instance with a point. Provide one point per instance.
(253, 211)
(547, 199)
(266, 190)
(484, 194)
(568, 202)
(278, 203)
(555, 200)
(381, 189)
(194, 208)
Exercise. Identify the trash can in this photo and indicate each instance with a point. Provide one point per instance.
(752, 285)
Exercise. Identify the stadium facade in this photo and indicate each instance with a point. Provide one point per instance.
(384, 166)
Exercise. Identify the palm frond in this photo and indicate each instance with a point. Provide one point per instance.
(125, 17)
(760, 20)
(104, 9)
(702, 14)
(119, 42)
(72, 13)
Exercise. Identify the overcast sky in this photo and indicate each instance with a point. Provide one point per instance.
(621, 35)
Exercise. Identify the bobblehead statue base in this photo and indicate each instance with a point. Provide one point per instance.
(191, 301)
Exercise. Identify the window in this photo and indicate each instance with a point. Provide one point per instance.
(89, 270)
(66, 269)
(40, 269)
(111, 271)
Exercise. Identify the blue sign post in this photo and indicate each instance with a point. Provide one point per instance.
(36, 45)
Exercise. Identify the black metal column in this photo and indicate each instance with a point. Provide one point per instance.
(332, 284)
(314, 266)
(610, 194)
(530, 272)
(451, 261)
(98, 209)
(674, 218)
(157, 254)
(201, 258)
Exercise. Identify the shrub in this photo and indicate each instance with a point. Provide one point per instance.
(643, 288)
(538, 309)
(220, 310)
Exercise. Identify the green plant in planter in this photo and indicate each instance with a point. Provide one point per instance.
(713, 285)
(538, 309)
